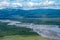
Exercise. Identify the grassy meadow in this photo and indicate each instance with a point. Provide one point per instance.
(17, 37)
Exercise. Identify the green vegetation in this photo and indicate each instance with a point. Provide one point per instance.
(47, 21)
(17, 37)
(22, 33)
(6, 30)
(17, 33)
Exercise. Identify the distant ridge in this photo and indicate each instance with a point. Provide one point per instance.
(37, 13)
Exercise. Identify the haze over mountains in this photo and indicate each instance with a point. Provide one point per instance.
(38, 13)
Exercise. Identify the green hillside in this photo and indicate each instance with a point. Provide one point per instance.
(6, 30)
(17, 33)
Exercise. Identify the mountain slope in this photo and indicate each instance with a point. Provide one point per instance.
(38, 13)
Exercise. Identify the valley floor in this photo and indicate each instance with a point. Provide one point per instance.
(17, 37)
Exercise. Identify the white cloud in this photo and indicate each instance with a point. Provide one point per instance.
(15, 5)
(19, 0)
(44, 4)
(6, 4)
(29, 4)
(47, 3)
(3, 4)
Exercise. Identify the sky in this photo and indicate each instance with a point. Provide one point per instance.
(30, 4)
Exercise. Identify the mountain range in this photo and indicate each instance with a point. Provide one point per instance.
(37, 13)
